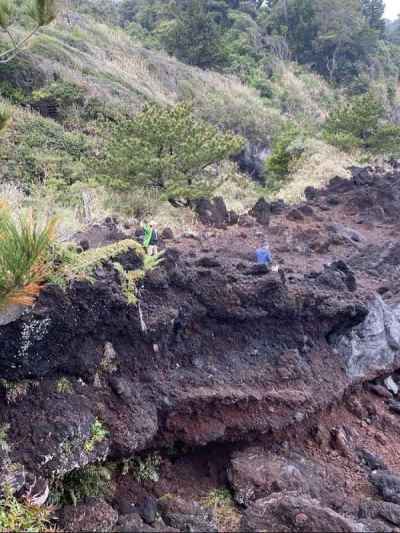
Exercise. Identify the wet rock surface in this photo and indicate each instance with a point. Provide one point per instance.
(280, 385)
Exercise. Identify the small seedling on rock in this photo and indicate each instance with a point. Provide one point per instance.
(97, 434)
(64, 386)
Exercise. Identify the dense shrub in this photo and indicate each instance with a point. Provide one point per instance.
(286, 148)
(361, 123)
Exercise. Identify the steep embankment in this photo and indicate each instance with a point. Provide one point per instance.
(78, 76)
(221, 351)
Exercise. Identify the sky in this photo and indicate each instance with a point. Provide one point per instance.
(392, 9)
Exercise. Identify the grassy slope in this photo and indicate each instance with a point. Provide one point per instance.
(116, 74)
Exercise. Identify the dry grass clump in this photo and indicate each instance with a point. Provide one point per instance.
(302, 94)
(226, 515)
(319, 163)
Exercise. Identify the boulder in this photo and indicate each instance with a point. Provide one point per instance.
(132, 523)
(288, 512)
(261, 212)
(373, 345)
(93, 515)
(295, 215)
(394, 406)
(391, 385)
(347, 233)
(167, 234)
(254, 473)
(371, 460)
(384, 510)
(387, 484)
(311, 193)
(380, 390)
(186, 515)
(212, 212)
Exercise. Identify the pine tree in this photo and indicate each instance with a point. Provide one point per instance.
(168, 149)
(42, 12)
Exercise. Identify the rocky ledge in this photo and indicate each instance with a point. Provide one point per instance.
(278, 378)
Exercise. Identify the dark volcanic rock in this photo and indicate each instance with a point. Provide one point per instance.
(387, 484)
(255, 473)
(186, 516)
(289, 512)
(261, 212)
(94, 515)
(382, 510)
(295, 215)
(212, 212)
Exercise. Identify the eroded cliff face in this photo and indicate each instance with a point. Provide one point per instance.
(220, 353)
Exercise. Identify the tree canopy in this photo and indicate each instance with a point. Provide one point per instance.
(168, 149)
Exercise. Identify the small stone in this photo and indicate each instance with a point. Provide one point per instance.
(299, 417)
(391, 385)
(301, 518)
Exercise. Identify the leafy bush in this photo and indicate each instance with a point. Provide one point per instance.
(63, 93)
(170, 150)
(36, 149)
(24, 246)
(360, 122)
(286, 148)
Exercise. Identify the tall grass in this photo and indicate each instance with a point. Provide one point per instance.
(24, 244)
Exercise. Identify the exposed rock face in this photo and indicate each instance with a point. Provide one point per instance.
(255, 473)
(290, 512)
(221, 351)
(374, 345)
(94, 515)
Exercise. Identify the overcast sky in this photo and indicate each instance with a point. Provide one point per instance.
(392, 9)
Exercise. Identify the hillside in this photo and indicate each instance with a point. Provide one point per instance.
(80, 74)
(199, 266)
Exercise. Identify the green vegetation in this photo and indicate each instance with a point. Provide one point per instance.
(24, 245)
(18, 516)
(64, 386)
(5, 115)
(361, 122)
(90, 481)
(143, 469)
(170, 150)
(42, 13)
(286, 149)
(69, 264)
(176, 35)
(226, 514)
(97, 434)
